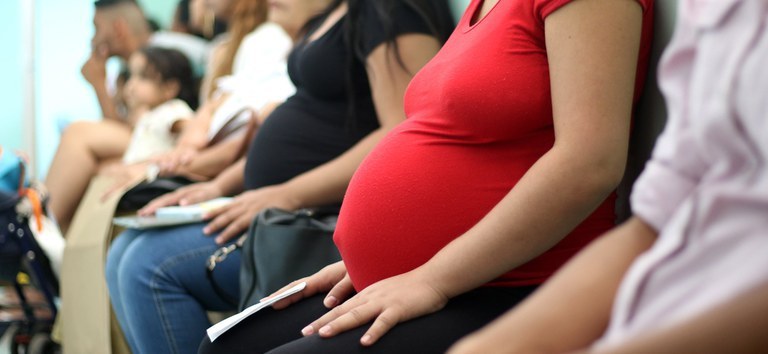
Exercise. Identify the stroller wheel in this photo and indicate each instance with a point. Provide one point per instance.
(42, 343)
(15, 336)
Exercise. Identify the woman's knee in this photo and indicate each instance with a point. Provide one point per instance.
(115, 254)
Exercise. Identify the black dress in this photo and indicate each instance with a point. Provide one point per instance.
(320, 122)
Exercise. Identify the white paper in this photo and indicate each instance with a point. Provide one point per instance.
(218, 329)
(194, 211)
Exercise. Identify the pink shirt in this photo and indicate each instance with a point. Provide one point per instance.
(706, 187)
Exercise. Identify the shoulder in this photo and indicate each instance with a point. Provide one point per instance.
(266, 43)
(381, 21)
(544, 8)
(174, 108)
(399, 12)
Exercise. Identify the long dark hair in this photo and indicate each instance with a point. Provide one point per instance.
(435, 14)
(165, 64)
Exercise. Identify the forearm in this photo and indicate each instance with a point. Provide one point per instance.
(195, 132)
(557, 193)
(212, 161)
(575, 303)
(230, 181)
(107, 104)
(736, 326)
(327, 183)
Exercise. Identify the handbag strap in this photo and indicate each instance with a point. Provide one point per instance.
(213, 260)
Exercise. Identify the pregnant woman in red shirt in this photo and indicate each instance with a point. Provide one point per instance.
(516, 138)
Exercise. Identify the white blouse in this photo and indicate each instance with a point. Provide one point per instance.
(705, 188)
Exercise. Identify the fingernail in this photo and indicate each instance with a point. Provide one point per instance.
(325, 330)
(366, 339)
(331, 301)
(206, 230)
(308, 330)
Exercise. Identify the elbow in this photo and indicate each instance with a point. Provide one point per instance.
(600, 174)
(606, 176)
(610, 175)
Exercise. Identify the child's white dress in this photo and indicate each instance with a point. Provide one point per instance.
(152, 134)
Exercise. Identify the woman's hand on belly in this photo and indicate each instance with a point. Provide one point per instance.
(235, 218)
(386, 303)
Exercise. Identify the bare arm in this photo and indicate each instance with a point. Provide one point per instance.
(195, 133)
(94, 71)
(209, 162)
(737, 326)
(592, 48)
(575, 303)
(193, 138)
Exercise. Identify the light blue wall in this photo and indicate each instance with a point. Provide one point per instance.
(63, 29)
(62, 32)
(159, 10)
(11, 77)
(458, 7)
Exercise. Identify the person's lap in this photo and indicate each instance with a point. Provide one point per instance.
(280, 331)
(159, 286)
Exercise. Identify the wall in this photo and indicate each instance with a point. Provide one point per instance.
(11, 115)
(63, 29)
(458, 6)
(159, 10)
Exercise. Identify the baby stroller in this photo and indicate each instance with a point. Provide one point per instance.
(21, 256)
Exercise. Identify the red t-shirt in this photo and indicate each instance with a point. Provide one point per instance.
(479, 116)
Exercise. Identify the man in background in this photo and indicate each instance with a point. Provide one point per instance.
(120, 29)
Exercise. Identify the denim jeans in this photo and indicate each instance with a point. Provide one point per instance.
(159, 290)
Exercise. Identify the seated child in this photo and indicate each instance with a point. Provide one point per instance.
(161, 93)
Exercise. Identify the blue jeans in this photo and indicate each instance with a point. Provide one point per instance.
(159, 290)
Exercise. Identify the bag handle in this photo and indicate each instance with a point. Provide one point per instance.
(214, 259)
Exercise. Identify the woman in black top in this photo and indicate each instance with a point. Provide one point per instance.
(351, 68)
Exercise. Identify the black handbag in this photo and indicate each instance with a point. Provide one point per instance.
(280, 247)
(144, 192)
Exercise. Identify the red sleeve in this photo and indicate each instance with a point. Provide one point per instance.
(544, 8)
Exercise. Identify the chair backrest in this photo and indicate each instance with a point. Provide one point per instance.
(651, 113)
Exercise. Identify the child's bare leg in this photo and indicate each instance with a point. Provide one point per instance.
(83, 147)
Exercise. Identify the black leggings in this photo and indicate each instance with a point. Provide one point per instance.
(279, 331)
